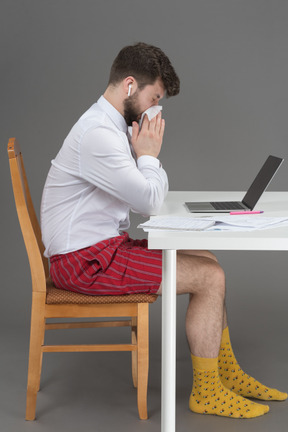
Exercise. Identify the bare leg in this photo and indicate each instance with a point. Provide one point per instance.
(207, 254)
(225, 321)
(200, 276)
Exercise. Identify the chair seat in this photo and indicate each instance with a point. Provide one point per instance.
(59, 296)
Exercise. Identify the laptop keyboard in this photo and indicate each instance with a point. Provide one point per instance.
(233, 205)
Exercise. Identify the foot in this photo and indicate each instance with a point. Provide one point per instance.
(234, 378)
(209, 396)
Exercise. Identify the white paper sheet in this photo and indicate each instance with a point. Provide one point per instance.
(176, 223)
(214, 223)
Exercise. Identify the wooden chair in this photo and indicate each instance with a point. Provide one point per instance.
(50, 302)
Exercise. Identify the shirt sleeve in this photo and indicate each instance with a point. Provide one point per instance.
(106, 161)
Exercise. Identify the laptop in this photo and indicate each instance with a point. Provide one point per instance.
(252, 196)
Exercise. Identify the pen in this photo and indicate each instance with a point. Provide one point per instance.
(246, 212)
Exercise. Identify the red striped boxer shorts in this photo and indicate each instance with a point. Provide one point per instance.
(115, 266)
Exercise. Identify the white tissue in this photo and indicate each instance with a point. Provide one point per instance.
(151, 112)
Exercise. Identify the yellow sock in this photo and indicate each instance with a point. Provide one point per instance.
(209, 396)
(233, 377)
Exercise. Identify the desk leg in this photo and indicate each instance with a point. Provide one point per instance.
(168, 398)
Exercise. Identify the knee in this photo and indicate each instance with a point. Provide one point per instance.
(211, 256)
(216, 279)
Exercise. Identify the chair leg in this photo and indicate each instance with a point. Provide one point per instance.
(134, 353)
(35, 353)
(41, 357)
(143, 358)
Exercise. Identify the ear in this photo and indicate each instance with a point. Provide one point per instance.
(129, 85)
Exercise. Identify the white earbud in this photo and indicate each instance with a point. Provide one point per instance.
(129, 89)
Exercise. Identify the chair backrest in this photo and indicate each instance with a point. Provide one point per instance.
(27, 218)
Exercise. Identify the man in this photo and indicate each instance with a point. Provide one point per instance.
(96, 179)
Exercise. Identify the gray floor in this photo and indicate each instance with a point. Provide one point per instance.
(93, 392)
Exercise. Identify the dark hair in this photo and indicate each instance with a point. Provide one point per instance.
(146, 63)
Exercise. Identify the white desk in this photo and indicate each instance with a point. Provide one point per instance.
(273, 203)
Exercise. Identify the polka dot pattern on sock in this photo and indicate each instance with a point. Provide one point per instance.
(234, 378)
(209, 396)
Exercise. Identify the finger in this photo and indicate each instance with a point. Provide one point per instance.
(158, 123)
(162, 128)
(135, 131)
(155, 123)
(145, 122)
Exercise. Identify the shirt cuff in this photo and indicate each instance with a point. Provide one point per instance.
(145, 160)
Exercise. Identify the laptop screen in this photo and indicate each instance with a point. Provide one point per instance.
(261, 181)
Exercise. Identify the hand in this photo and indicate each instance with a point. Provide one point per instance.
(148, 140)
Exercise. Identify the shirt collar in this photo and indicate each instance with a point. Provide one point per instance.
(114, 115)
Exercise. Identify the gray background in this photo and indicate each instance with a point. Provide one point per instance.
(232, 59)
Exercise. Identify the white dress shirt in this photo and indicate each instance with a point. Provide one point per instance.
(95, 181)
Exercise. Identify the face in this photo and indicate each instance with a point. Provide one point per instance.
(141, 100)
